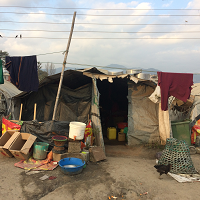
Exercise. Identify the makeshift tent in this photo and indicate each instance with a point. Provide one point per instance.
(83, 93)
(7, 92)
(142, 114)
(192, 111)
(74, 102)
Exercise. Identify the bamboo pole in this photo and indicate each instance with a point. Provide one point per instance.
(20, 113)
(34, 115)
(63, 68)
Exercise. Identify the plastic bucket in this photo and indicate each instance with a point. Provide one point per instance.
(77, 129)
(40, 150)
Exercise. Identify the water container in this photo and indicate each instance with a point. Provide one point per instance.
(111, 133)
(77, 129)
(181, 131)
(40, 150)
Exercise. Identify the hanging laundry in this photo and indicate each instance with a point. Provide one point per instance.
(23, 72)
(1, 73)
(174, 84)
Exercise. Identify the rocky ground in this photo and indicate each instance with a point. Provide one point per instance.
(128, 173)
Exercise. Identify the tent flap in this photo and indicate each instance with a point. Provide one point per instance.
(143, 125)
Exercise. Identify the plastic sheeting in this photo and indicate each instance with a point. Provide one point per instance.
(164, 125)
(44, 131)
(73, 105)
(9, 91)
(95, 115)
(143, 123)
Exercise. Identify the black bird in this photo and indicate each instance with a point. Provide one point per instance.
(0, 35)
(163, 169)
(16, 36)
(20, 36)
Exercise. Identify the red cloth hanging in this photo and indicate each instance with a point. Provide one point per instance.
(174, 84)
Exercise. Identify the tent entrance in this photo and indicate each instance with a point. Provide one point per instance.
(113, 106)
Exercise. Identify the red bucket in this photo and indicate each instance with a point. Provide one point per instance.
(122, 125)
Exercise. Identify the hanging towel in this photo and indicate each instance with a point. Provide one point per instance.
(174, 84)
(23, 72)
(1, 73)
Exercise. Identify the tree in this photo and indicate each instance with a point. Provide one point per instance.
(3, 55)
(50, 69)
(41, 74)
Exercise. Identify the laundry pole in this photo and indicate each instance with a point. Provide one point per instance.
(63, 68)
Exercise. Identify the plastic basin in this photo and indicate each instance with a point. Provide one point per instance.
(71, 166)
(122, 125)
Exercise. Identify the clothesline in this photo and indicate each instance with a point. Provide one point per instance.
(97, 66)
(42, 53)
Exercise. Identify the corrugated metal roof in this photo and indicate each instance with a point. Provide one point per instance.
(9, 88)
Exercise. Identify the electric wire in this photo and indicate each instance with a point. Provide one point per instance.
(57, 14)
(102, 31)
(48, 7)
(102, 38)
(103, 24)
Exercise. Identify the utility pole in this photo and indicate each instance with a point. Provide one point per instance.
(63, 68)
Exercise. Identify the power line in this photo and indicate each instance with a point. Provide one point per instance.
(163, 15)
(104, 38)
(97, 8)
(61, 23)
(101, 31)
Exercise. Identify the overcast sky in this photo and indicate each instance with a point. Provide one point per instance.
(169, 53)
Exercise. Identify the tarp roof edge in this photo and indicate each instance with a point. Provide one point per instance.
(9, 89)
(87, 72)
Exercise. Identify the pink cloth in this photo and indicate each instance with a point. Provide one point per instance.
(174, 84)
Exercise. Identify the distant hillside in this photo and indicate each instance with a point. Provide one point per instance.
(116, 67)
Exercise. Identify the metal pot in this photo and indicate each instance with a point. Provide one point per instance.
(132, 71)
(115, 73)
(144, 76)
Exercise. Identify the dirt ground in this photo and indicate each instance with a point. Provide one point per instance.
(128, 173)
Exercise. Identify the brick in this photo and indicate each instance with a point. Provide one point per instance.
(74, 147)
(58, 157)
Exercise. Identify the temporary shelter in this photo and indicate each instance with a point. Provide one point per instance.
(7, 105)
(107, 98)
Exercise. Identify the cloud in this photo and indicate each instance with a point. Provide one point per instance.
(21, 2)
(167, 4)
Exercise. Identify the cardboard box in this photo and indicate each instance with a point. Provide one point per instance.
(58, 157)
(5, 141)
(22, 145)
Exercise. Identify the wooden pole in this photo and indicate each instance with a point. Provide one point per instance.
(20, 113)
(34, 115)
(63, 68)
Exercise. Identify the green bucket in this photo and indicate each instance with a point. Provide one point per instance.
(181, 131)
(40, 150)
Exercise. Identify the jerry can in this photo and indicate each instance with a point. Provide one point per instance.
(111, 133)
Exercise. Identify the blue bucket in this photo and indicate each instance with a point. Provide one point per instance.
(40, 150)
(71, 166)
